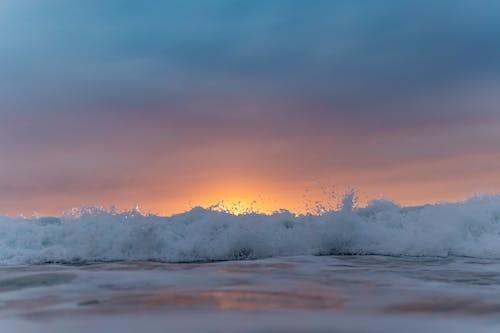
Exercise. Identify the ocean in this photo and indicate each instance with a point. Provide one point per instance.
(380, 268)
(292, 294)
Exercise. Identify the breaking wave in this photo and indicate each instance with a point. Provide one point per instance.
(470, 228)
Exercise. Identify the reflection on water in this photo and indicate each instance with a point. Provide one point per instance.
(252, 300)
(253, 267)
(35, 280)
(393, 289)
(447, 305)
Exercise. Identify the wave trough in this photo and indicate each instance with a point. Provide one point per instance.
(470, 228)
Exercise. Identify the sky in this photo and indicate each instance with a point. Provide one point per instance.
(173, 104)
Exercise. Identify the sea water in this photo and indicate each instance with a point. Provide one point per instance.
(380, 268)
(292, 294)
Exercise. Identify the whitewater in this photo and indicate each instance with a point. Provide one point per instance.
(88, 235)
(379, 268)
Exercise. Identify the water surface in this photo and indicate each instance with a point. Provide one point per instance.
(291, 294)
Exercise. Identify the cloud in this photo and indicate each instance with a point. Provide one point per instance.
(307, 87)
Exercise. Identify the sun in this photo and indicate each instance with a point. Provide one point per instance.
(239, 206)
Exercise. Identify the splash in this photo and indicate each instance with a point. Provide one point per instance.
(470, 228)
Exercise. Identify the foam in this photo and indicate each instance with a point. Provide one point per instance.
(470, 228)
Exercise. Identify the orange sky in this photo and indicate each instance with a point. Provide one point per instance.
(411, 184)
(269, 102)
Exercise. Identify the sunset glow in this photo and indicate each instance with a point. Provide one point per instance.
(242, 166)
(259, 105)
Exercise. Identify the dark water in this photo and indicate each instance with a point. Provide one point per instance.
(295, 294)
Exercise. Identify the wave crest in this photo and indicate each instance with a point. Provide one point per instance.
(470, 228)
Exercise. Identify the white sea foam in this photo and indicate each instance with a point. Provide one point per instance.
(470, 228)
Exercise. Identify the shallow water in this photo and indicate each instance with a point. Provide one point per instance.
(292, 294)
